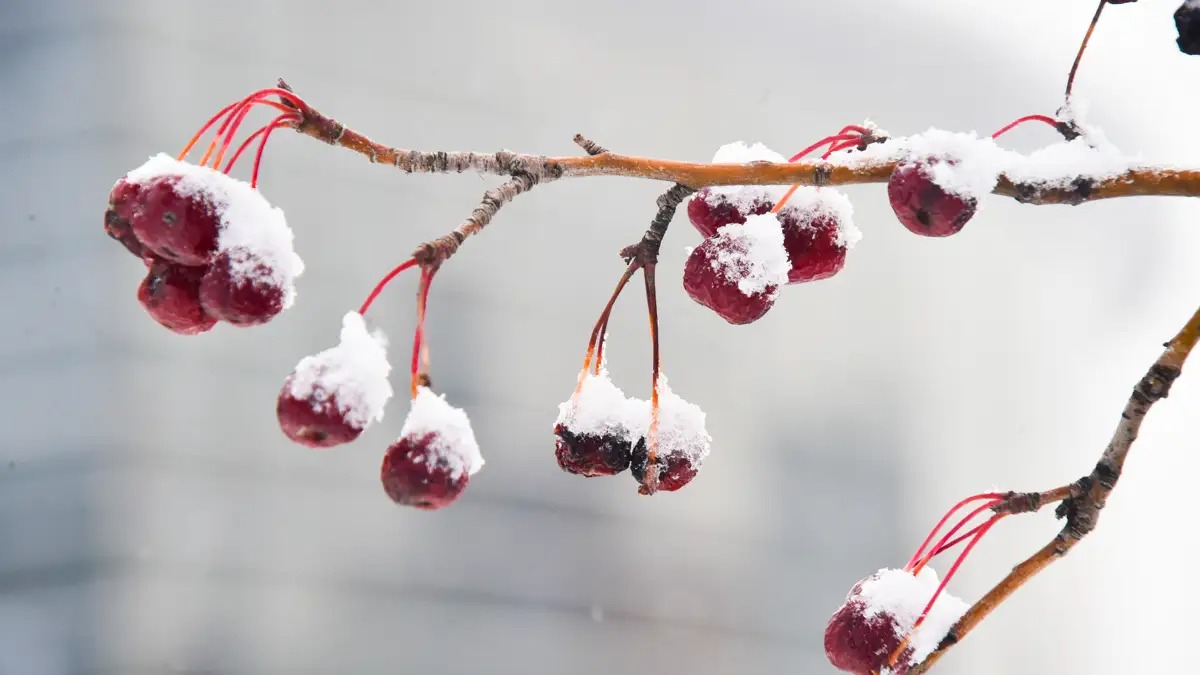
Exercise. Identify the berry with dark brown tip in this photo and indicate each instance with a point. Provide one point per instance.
(171, 295)
(180, 226)
(240, 287)
(923, 206)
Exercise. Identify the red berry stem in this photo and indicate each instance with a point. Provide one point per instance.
(233, 112)
(596, 343)
(954, 530)
(844, 145)
(650, 481)
(983, 529)
(419, 334)
(207, 125)
(1021, 120)
(384, 282)
(956, 541)
(831, 141)
(286, 118)
(949, 514)
(828, 140)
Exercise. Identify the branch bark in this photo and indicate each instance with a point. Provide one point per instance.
(1087, 496)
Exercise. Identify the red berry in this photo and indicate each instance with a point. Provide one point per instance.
(863, 645)
(241, 288)
(709, 209)
(178, 224)
(590, 455)
(314, 421)
(332, 396)
(880, 613)
(923, 206)
(116, 218)
(674, 471)
(171, 295)
(431, 463)
(817, 232)
(681, 444)
(416, 474)
(738, 272)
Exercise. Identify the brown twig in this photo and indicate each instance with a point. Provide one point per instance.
(1082, 500)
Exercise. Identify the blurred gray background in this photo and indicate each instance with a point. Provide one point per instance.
(154, 520)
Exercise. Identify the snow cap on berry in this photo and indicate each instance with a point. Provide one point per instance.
(352, 375)
(453, 440)
(743, 196)
(810, 203)
(752, 255)
(249, 223)
(902, 596)
(600, 408)
(681, 429)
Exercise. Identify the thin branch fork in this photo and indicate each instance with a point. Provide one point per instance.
(1081, 501)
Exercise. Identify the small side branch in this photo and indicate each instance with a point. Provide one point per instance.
(436, 252)
(1083, 500)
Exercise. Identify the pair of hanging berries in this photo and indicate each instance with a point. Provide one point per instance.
(761, 238)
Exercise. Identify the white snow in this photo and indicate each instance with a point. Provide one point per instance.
(810, 202)
(455, 441)
(681, 429)
(744, 197)
(903, 596)
(254, 232)
(752, 255)
(352, 375)
(601, 408)
(969, 166)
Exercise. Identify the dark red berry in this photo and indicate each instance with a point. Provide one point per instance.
(864, 645)
(240, 288)
(591, 455)
(171, 295)
(924, 207)
(178, 225)
(713, 286)
(1187, 22)
(710, 210)
(116, 218)
(814, 245)
(416, 472)
(314, 420)
(675, 470)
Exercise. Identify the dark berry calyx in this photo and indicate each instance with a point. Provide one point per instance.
(591, 455)
(332, 396)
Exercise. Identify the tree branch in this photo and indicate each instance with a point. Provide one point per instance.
(1085, 497)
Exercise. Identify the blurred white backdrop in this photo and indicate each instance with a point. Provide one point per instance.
(153, 519)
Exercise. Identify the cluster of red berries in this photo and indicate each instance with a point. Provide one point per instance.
(758, 239)
(215, 249)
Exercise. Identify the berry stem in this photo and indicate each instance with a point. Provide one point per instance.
(1021, 120)
(231, 112)
(954, 530)
(285, 118)
(384, 282)
(595, 343)
(831, 141)
(1082, 46)
(419, 334)
(828, 140)
(207, 125)
(936, 528)
(983, 529)
(650, 478)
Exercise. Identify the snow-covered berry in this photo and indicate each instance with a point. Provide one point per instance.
(737, 273)
(818, 230)
(242, 288)
(332, 396)
(712, 208)
(875, 630)
(432, 461)
(597, 428)
(924, 206)
(680, 441)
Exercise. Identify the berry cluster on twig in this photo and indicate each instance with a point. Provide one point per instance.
(216, 250)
